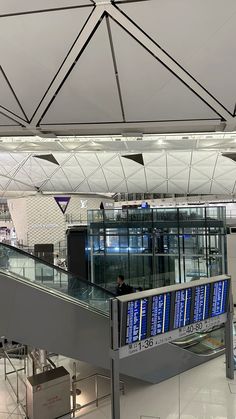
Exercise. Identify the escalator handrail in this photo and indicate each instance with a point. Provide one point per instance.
(213, 351)
(54, 292)
(70, 274)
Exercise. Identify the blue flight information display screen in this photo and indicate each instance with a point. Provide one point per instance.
(155, 314)
(220, 292)
(136, 327)
(160, 317)
(182, 310)
(201, 303)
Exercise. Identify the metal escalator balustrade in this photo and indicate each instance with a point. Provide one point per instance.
(203, 344)
(24, 266)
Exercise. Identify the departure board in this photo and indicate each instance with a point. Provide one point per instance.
(201, 302)
(220, 292)
(182, 308)
(198, 304)
(136, 327)
(160, 318)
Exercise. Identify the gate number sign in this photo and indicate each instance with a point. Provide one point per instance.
(154, 317)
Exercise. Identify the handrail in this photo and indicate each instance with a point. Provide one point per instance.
(75, 408)
(97, 398)
(70, 274)
(55, 292)
(16, 371)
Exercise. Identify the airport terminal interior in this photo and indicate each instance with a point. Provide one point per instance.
(117, 209)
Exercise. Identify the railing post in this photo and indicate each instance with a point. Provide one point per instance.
(17, 388)
(114, 354)
(96, 389)
(73, 397)
(5, 366)
(229, 345)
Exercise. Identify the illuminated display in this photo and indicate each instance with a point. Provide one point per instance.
(136, 328)
(201, 302)
(182, 308)
(220, 292)
(154, 315)
(160, 319)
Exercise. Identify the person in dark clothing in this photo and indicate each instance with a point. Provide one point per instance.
(101, 206)
(122, 287)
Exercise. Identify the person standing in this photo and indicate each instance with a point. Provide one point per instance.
(122, 288)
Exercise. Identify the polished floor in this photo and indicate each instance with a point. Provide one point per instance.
(201, 393)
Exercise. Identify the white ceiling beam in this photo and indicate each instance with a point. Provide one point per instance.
(168, 62)
(190, 169)
(69, 62)
(213, 172)
(30, 128)
(146, 127)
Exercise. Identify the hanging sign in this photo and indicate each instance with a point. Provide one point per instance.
(62, 202)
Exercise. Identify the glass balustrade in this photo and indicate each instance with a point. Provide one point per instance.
(27, 267)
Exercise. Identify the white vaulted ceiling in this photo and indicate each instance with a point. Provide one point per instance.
(88, 67)
(193, 164)
(88, 82)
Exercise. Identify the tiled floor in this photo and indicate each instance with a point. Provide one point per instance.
(201, 393)
(8, 406)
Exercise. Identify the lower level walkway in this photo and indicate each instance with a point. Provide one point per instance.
(201, 393)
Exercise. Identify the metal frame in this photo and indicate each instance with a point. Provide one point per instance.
(15, 371)
(115, 360)
(97, 397)
(115, 341)
(229, 344)
(100, 10)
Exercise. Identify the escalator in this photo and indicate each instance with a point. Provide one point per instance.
(44, 306)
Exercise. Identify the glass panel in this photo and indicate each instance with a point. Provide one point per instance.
(193, 244)
(214, 213)
(192, 237)
(192, 213)
(165, 214)
(30, 268)
(215, 265)
(194, 268)
(140, 271)
(204, 343)
(166, 269)
(166, 244)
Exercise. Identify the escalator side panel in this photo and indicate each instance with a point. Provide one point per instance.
(32, 316)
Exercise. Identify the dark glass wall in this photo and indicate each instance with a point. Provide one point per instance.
(156, 247)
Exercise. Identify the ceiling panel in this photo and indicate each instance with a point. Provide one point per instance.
(175, 187)
(7, 97)
(5, 121)
(32, 54)
(149, 91)
(22, 6)
(220, 188)
(209, 53)
(107, 82)
(90, 93)
(94, 172)
(195, 187)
